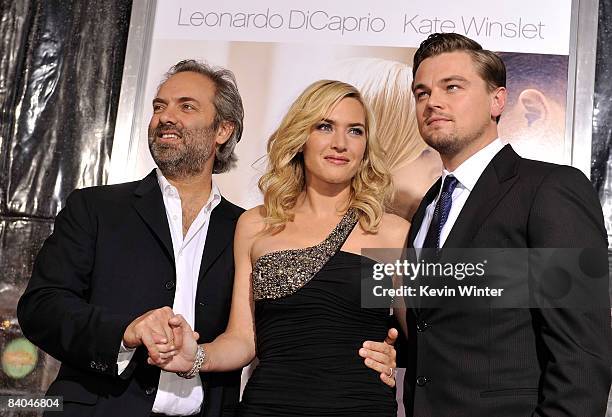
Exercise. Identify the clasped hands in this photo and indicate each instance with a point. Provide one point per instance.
(172, 344)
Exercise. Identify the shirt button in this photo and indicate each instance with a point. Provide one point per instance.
(421, 381)
(169, 285)
(150, 390)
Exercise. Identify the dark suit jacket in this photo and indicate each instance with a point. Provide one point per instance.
(513, 362)
(109, 260)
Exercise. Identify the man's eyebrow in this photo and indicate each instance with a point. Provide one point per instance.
(419, 86)
(180, 100)
(186, 98)
(454, 78)
(450, 78)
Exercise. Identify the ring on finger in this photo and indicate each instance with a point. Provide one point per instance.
(391, 373)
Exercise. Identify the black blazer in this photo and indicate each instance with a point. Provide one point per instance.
(513, 362)
(108, 261)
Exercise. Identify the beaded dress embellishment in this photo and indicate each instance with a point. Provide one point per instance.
(281, 273)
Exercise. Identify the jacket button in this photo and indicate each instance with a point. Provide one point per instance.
(169, 285)
(150, 390)
(421, 381)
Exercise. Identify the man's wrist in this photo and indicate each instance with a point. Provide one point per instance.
(197, 364)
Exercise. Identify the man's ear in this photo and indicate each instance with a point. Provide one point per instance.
(534, 105)
(224, 132)
(498, 102)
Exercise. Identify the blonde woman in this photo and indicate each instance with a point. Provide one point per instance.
(386, 87)
(298, 267)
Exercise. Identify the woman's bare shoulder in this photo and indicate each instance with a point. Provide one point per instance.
(251, 221)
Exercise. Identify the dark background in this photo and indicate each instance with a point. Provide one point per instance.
(60, 76)
(601, 161)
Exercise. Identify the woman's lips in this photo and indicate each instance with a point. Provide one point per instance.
(337, 160)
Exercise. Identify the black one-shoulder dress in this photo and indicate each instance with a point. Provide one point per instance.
(310, 326)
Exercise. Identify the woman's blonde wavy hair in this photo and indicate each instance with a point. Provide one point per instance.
(284, 180)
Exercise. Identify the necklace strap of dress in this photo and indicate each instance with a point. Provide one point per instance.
(334, 241)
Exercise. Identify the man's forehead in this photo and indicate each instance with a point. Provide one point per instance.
(187, 83)
(446, 65)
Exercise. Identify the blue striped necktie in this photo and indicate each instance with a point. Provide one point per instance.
(440, 214)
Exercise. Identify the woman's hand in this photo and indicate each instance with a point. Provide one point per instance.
(186, 346)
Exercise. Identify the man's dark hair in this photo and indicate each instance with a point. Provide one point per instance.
(228, 107)
(490, 66)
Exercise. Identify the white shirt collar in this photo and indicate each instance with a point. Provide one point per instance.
(170, 190)
(471, 169)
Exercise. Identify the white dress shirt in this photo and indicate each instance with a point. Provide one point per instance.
(467, 175)
(176, 395)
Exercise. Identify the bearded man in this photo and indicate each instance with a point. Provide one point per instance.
(124, 259)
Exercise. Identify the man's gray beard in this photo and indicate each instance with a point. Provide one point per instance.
(185, 159)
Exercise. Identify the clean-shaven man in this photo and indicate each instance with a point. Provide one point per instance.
(552, 362)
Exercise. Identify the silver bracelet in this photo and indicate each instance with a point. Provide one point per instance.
(197, 364)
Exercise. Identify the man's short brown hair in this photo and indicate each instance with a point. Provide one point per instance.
(490, 66)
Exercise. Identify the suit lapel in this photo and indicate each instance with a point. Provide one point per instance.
(220, 235)
(493, 184)
(149, 204)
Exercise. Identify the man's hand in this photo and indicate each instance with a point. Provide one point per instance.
(186, 342)
(152, 330)
(380, 356)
